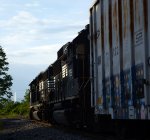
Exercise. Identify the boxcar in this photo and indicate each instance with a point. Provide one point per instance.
(120, 60)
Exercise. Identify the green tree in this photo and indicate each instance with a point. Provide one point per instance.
(5, 78)
(27, 96)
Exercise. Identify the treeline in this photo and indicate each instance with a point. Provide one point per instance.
(5, 78)
(12, 109)
(8, 108)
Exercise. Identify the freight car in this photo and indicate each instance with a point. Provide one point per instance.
(120, 62)
(120, 56)
(102, 78)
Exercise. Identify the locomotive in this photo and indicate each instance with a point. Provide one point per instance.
(62, 92)
(102, 78)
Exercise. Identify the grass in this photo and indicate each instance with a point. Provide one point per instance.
(13, 116)
(8, 116)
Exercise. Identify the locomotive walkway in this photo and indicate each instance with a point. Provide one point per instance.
(19, 129)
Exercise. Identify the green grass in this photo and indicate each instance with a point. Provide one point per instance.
(13, 116)
(9, 116)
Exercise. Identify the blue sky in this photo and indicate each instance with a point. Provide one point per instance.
(32, 31)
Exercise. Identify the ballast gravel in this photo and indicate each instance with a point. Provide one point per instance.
(16, 129)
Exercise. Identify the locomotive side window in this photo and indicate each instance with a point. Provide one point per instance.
(70, 73)
(64, 71)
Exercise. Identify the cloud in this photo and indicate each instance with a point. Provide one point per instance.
(36, 56)
(22, 20)
(24, 17)
(33, 4)
(36, 50)
(26, 30)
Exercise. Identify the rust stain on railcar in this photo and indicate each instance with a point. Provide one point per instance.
(110, 25)
(131, 17)
(145, 3)
(125, 16)
(115, 20)
(137, 15)
(115, 15)
(105, 22)
(102, 24)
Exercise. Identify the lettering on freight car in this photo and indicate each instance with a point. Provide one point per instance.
(139, 38)
(115, 51)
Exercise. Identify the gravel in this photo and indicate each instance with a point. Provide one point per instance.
(15, 129)
(19, 129)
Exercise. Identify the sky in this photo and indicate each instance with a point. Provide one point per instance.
(32, 31)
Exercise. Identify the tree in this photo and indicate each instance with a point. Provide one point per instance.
(5, 78)
(16, 109)
(27, 96)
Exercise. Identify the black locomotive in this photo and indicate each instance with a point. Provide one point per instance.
(61, 94)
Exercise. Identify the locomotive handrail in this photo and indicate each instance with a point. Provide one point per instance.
(85, 84)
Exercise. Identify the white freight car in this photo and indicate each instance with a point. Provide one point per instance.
(120, 58)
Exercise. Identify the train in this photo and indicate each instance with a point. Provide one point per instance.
(101, 79)
(63, 90)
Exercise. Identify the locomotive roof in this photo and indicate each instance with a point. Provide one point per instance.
(82, 34)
